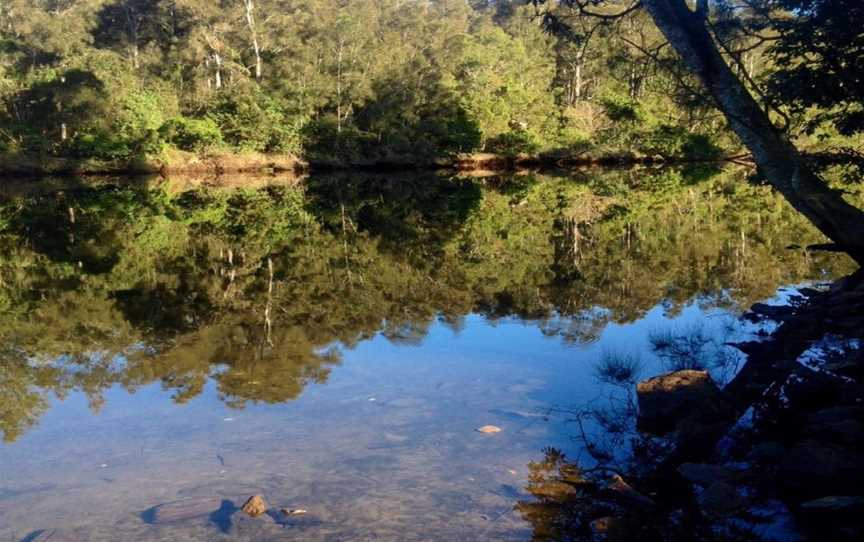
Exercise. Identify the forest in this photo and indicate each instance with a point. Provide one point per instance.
(354, 80)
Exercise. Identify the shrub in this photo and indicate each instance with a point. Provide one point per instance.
(513, 143)
(97, 144)
(620, 109)
(190, 134)
(323, 140)
(677, 142)
(254, 121)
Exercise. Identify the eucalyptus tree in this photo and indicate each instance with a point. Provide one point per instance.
(690, 31)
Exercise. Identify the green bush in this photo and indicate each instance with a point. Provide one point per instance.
(620, 109)
(322, 140)
(676, 142)
(99, 144)
(253, 121)
(513, 143)
(460, 134)
(190, 134)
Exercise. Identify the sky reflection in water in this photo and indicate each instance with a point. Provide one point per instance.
(150, 355)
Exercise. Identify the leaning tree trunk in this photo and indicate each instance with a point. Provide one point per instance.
(776, 156)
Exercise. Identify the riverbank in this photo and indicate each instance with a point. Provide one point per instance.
(773, 455)
(179, 162)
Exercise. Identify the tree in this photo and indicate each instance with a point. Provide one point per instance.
(820, 61)
(689, 32)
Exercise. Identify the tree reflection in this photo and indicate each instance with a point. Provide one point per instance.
(257, 289)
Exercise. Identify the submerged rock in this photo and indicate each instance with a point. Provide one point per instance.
(183, 510)
(489, 429)
(666, 400)
(256, 506)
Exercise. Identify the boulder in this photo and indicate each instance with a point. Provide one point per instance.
(720, 499)
(666, 400)
(813, 469)
(845, 432)
(768, 453)
(705, 474)
(835, 507)
(627, 494)
(835, 517)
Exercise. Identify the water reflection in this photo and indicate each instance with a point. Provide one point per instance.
(258, 289)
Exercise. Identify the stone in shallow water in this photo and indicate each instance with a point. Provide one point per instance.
(489, 429)
(668, 399)
(255, 506)
(184, 510)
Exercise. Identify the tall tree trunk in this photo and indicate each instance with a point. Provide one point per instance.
(579, 78)
(339, 87)
(217, 59)
(250, 22)
(776, 156)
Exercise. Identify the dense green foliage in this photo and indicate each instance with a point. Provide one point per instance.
(332, 79)
(115, 284)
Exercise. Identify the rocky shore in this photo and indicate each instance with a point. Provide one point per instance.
(774, 455)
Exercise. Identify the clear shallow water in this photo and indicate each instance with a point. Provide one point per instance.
(151, 355)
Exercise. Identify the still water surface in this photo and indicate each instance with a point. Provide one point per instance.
(334, 345)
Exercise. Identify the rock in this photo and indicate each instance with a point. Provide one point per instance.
(51, 535)
(667, 399)
(835, 517)
(183, 510)
(773, 312)
(812, 469)
(600, 526)
(835, 505)
(624, 490)
(704, 474)
(489, 429)
(293, 511)
(621, 529)
(767, 453)
(845, 432)
(695, 440)
(256, 506)
(836, 414)
(721, 499)
(808, 390)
